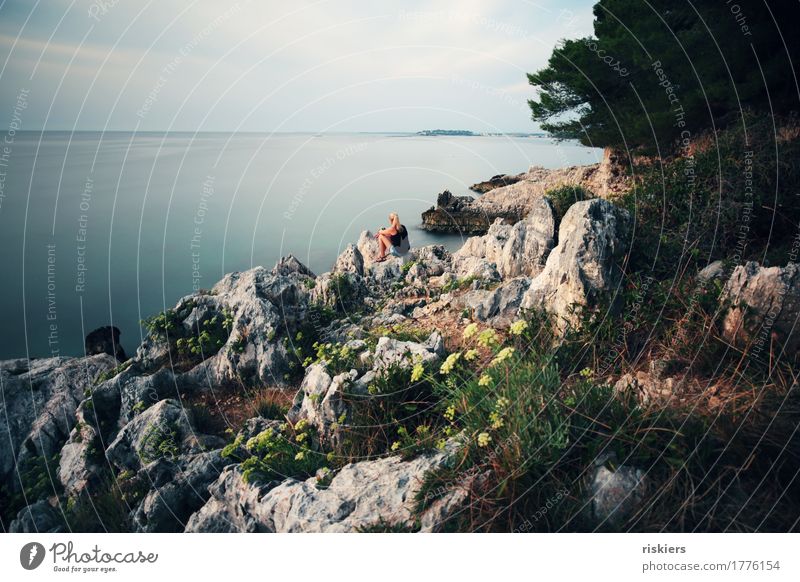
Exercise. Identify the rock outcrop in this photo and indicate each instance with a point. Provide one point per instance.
(521, 249)
(243, 315)
(497, 181)
(764, 315)
(105, 340)
(38, 408)
(517, 199)
(460, 214)
(362, 496)
(585, 267)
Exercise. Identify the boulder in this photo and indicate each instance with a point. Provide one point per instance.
(162, 431)
(320, 401)
(391, 352)
(498, 306)
(79, 466)
(369, 494)
(38, 518)
(40, 399)
(263, 306)
(615, 493)
(105, 340)
(350, 261)
(168, 506)
(344, 291)
(515, 250)
(434, 258)
(584, 268)
(712, 271)
(764, 309)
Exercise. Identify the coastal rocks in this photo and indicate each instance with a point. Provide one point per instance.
(344, 291)
(615, 493)
(105, 340)
(234, 505)
(378, 493)
(169, 505)
(497, 181)
(161, 431)
(242, 316)
(350, 261)
(320, 401)
(79, 465)
(435, 259)
(516, 200)
(460, 214)
(765, 308)
(40, 397)
(38, 518)
(514, 250)
(498, 306)
(392, 352)
(583, 268)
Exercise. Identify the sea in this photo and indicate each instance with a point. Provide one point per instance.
(109, 228)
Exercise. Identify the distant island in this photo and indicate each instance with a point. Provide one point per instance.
(467, 133)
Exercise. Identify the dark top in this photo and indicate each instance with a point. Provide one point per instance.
(395, 239)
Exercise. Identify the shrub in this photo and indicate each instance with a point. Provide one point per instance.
(278, 454)
(270, 403)
(562, 197)
(161, 441)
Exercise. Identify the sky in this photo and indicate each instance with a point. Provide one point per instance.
(269, 65)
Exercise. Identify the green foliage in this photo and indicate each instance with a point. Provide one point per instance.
(337, 357)
(278, 454)
(734, 201)
(161, 441)
(406, 267)
(209, 339)
(662, 68)
(37, 477)
(116, 371)
(458, 284)
(403, 332)
(562, 197)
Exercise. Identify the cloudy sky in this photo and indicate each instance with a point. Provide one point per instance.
(264, 65)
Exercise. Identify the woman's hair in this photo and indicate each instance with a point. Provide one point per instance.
(393, 217)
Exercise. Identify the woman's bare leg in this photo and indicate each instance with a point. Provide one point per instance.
(383, 244)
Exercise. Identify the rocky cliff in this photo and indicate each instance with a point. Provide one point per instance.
(326, 373)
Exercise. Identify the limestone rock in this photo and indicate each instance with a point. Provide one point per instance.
(40, 397)
(350, 261)
(40, 517)
(615, 494)
(163, 430)
(515, 250)
(378, 493)
(264, 306)
(167, 507)
(765, 308)
(498, 306)
(585, 265)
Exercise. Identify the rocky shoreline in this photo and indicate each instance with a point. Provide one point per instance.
(96, 424)
(511, 197)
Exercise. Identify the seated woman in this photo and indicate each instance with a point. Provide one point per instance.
(389, 237)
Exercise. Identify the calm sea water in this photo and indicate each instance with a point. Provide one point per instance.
(109, 229)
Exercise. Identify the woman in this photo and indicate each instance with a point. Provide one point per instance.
(388, 237)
